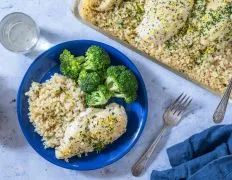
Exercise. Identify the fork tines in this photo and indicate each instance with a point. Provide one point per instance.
(180, 104)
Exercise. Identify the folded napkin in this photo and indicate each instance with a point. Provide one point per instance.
(204, 156)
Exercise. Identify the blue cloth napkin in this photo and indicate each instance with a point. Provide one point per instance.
(204, 156)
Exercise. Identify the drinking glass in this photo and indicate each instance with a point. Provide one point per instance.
(19, 33)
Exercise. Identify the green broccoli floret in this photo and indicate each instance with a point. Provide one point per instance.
(66, 56)
(96, 59)
(89, 81)
(122, 83)
(102, 74)
(70, 65)
(99, 97)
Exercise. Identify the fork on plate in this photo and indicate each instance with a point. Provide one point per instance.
(171, 117)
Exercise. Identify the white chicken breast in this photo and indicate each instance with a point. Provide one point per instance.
(92, 130)
(75, 140)
(216, 23)
(163, 19)
(108, 125)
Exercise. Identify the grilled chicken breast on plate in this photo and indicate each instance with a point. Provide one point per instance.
(92, 130)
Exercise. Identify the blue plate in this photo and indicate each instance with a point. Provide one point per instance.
(43, 68)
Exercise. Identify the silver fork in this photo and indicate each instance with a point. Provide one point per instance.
(171, 118)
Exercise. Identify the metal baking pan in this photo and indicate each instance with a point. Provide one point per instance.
(75, 11)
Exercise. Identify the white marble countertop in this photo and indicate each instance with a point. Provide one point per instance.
(18, 161)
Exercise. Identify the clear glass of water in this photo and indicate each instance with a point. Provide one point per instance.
(19, 33)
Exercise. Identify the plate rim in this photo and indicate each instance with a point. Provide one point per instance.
(23, 129)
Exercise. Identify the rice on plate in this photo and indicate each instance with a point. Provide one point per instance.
(52, 106)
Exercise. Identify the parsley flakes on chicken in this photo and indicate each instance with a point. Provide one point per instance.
(163, 19)
(93, 130)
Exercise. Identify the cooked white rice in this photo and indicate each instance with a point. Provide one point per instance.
(53, 105)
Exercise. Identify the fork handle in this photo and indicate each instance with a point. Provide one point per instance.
(140, 165)
(221, 109)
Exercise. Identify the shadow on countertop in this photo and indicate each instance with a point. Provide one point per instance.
(47, 40)
(10, 133)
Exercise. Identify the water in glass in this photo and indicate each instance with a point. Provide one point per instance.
(18, 32)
